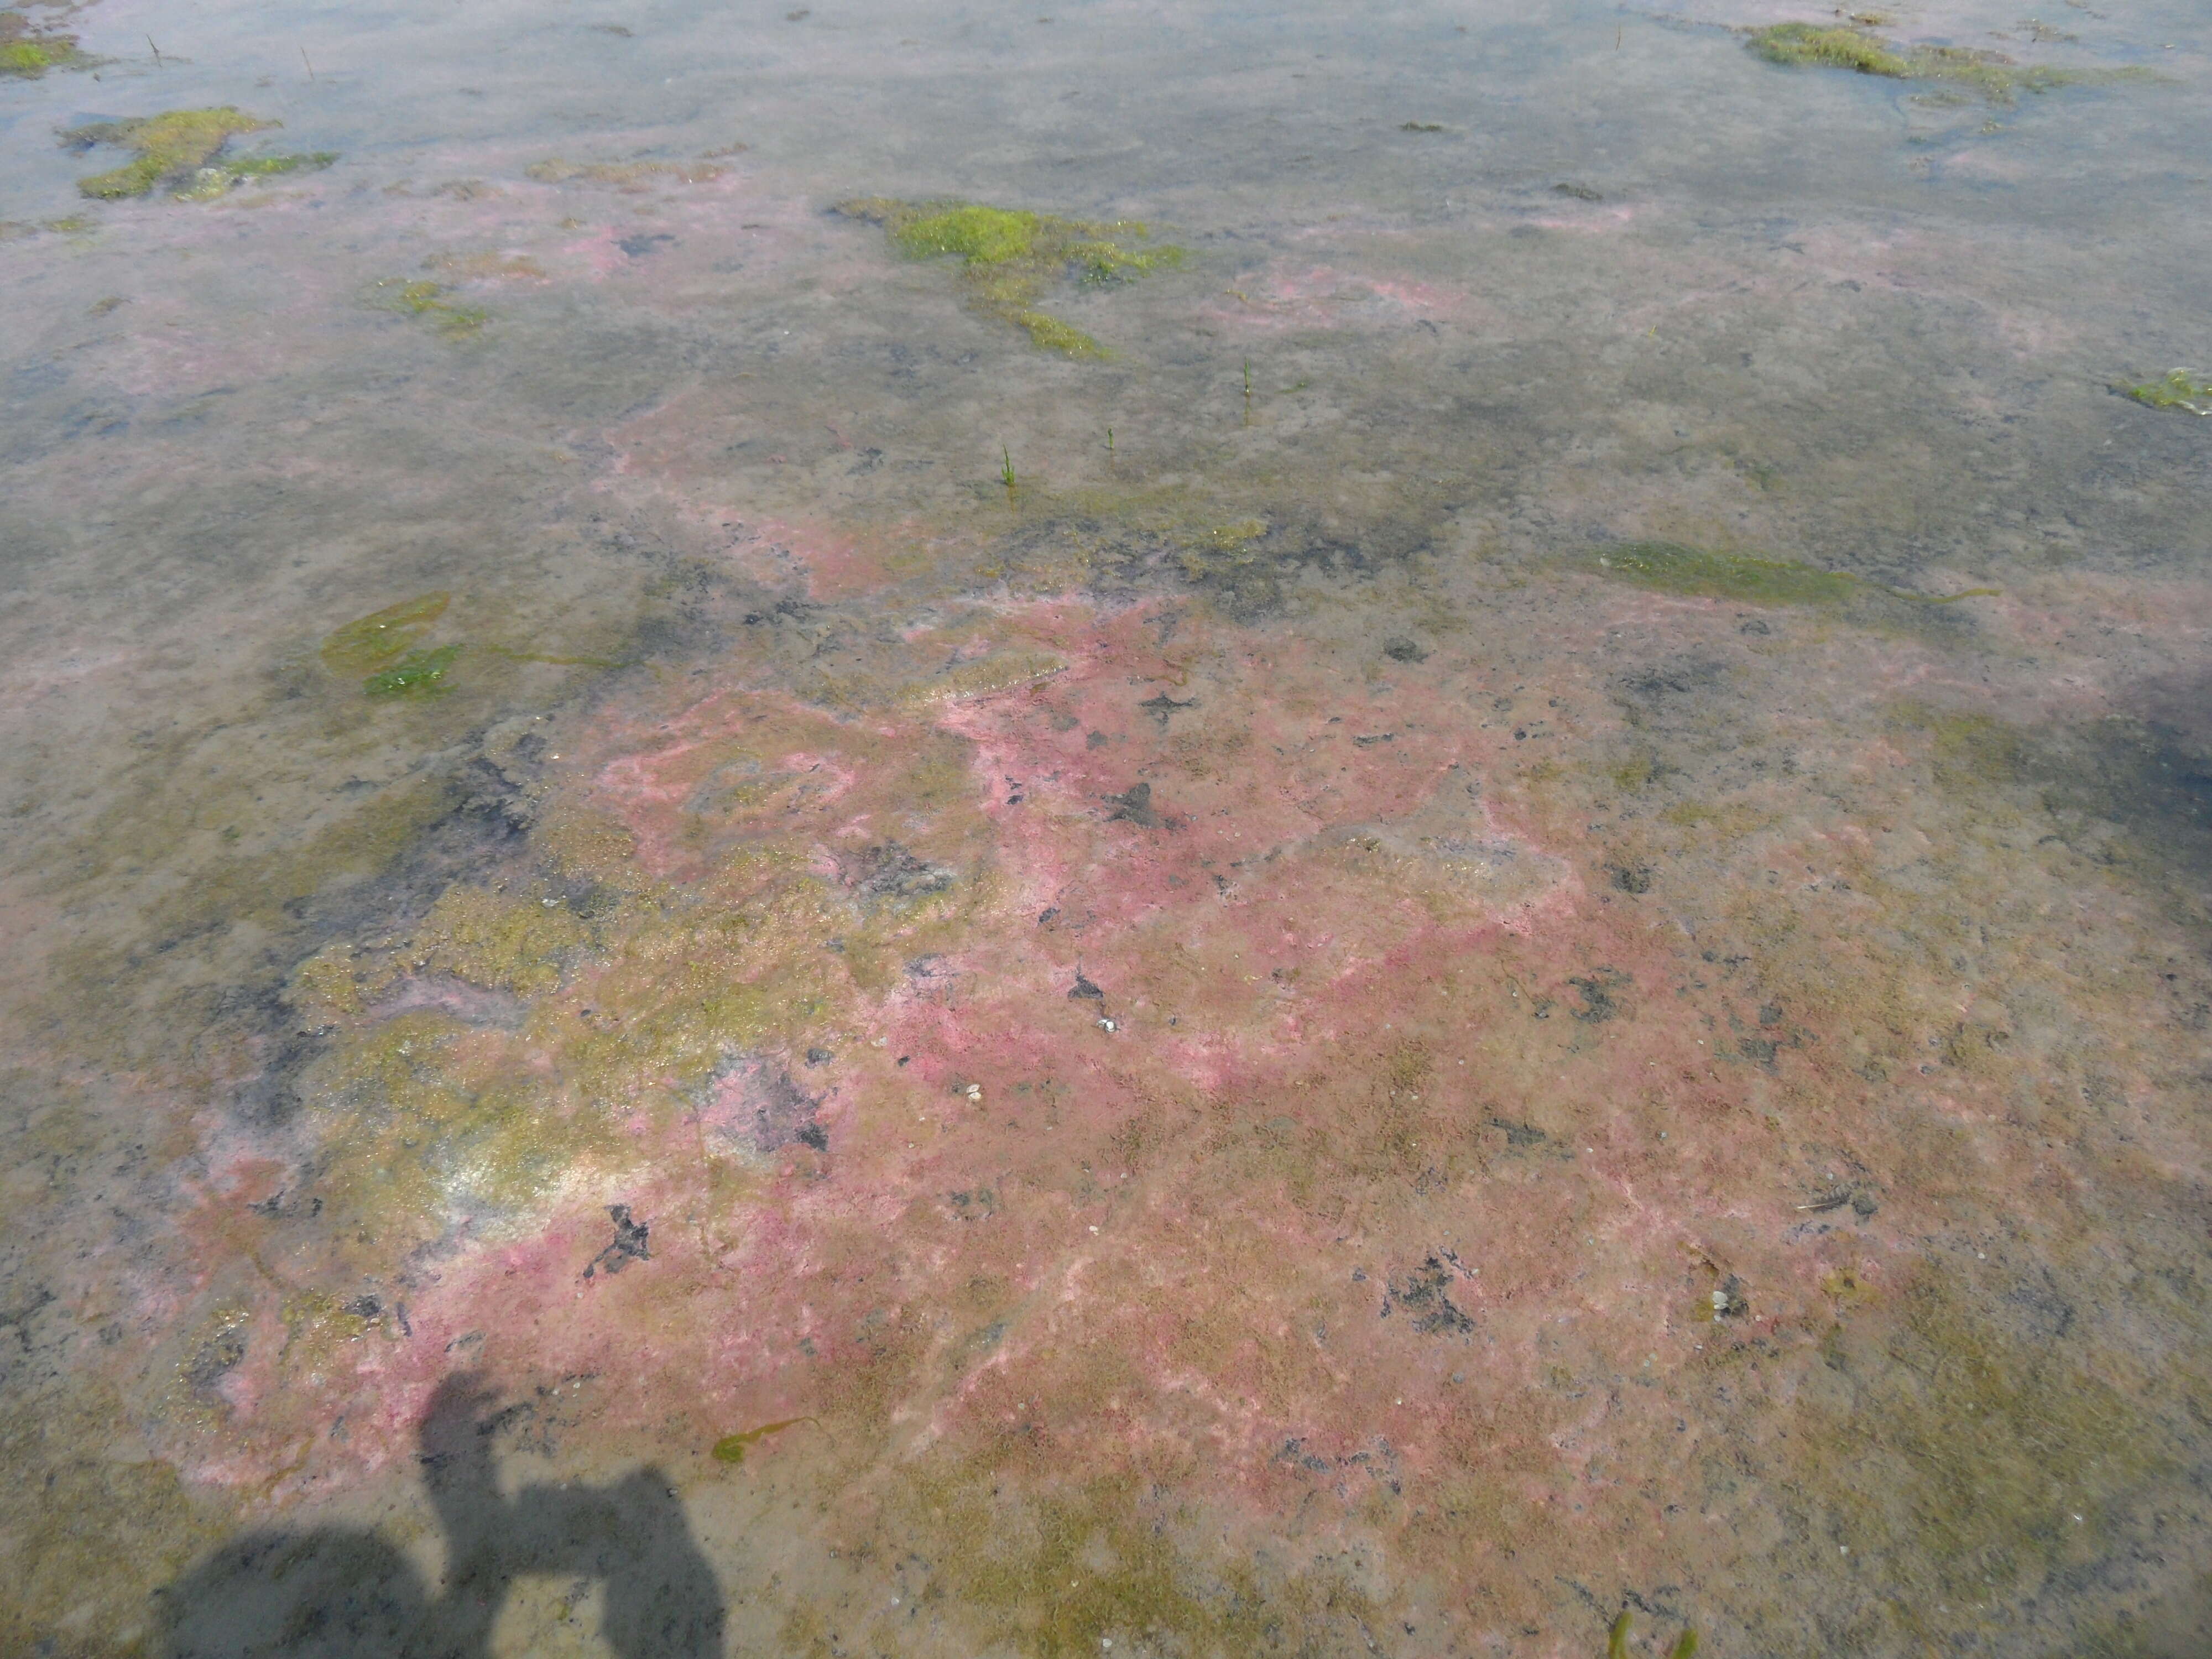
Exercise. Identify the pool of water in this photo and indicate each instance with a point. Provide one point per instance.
(1126, 829)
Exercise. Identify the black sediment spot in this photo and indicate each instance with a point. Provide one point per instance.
(1685, 677)
(628, 1246)
(774, 1111)
(1422, 1294)
(1246, 577)
(889, 873)
(1599, 1004)
(1133, 806)
(217, 1357)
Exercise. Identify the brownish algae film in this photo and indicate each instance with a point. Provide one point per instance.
(1150, 831)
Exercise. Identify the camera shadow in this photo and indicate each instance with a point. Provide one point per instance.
(343, 1592)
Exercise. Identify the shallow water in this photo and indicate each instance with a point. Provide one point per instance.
(1503, 925)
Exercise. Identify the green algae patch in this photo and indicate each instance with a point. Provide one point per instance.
(332, 985)
(76, 1468)
(1965, 750)
(1957, 1449)
(1009, 257)
(419, 673)
(174, 146)
(426, 1122)
(1616, 1642)
(1746, 579)
(33, 58)
(731, 1448)
(1074, 1568)
(319, 1330)
(1701, 573)
(2182, 388)
(499, 941)
(1995, 76)
(387, 646)
(1827, 46)
(373, 641)
(225, 176)
(27, 53)
(1054, 335)
(419, 297)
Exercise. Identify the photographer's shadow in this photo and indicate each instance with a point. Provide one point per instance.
(342, 1593)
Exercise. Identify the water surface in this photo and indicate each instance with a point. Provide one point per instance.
(1496, 918)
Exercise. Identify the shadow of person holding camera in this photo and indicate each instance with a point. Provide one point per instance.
(343, 1592)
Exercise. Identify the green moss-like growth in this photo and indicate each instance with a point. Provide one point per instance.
(503, 942)
(1956, 1450)
(28, 56)
(1010, 257)
(372, 641)
(731, 1447)
(1076, 1568)
(174, 145)
(1996, 77)
(2183, 389)
(417, 1132)
(419, 673)
(386, 646)
(210, 182)
(1674, 567)
(1829, 47)
(428, 299)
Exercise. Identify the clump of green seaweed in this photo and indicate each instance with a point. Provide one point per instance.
(2182, 388)
(226, 175)
(1829, 47)
(1996, 77)
(731, 1448)
(181, 148)
(28, 53)
(384, 646)
(1010, 257)
(1616, 1643)
(376, 639)
(419, 297)
(1702, 573)
(74, 225)
(419, 673)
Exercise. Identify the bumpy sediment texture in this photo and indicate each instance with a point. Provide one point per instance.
(1509, 959)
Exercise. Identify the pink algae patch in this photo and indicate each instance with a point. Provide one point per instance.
(728, 749)
(833, 564)
(1276, 1086)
